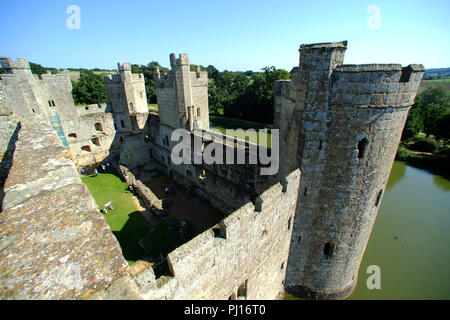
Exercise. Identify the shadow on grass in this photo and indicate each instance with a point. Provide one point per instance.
(129, 236)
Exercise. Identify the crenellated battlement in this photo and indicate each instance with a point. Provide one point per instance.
(375, 85)
(93, 109)
(183, 95)
(11, 66)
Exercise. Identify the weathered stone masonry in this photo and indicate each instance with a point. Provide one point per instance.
(341, 124)
(54, 243)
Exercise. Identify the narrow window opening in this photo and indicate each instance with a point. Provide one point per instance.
(320, 145)
(131, 107)
(86, 148)
(289, 223)
(53, 103)
(218, 231)
(380, 194)
(406, 74)
(328, 250)
(168, 159)
(118, 96)
(73, 135)
(167, 141)
(299, 239)
(49, 103)
(96, 141)
(98, 126)
(282, 266)
(198, 113)
(115, 126)
(122, 123)
(242, 290)
(304, 193)
(362, 145)
(140, 94)
(121, 139)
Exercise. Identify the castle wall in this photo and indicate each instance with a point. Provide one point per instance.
(55, 243)
(243, 257)
(226, 186)
(92, 127)
(341, 125)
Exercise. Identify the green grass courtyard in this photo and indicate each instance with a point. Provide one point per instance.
(125, 221)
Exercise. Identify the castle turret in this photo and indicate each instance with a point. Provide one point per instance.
(183, 95)
(20, 66)
(126, 92)
(341, 125)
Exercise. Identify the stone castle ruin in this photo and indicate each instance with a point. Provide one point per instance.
(303, 230)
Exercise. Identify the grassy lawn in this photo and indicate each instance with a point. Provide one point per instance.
(435, 83)
(125, 221)
(153, 107)
(221, 124)
(438, 80)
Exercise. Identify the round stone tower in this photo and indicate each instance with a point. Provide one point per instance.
(341, 124)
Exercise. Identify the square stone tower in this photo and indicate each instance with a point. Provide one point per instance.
(183, 95)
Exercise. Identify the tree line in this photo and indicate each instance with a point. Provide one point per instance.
(427, 128)
(249, 96)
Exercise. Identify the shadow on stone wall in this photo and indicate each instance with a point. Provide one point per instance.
(6, 162)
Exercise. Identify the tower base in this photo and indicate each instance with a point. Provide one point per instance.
(314, 294)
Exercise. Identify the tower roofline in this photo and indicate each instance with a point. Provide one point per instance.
(341, 44)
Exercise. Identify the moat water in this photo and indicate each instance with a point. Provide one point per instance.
(410, 239)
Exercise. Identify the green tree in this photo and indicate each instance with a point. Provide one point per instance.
(37, 69)
(414, 124)
(149, 72)
(258, 101)
(433, 104)
(89, 89)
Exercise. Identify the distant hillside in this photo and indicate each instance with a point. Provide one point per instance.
(75, 75)
(438, 73)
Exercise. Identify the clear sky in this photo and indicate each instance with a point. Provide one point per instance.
(233, 35)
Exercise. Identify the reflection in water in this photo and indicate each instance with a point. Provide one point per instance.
(441, 183)
(397, 174)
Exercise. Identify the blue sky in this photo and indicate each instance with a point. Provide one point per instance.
(233, 35)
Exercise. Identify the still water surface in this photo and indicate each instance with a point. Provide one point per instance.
(410, 241)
